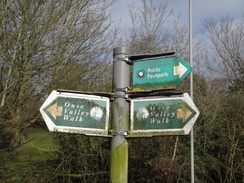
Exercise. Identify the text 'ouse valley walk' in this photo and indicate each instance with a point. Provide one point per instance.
(81, 113)
(76, 112)
(155, 115)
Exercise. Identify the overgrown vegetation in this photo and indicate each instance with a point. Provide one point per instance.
(46, 45)
(33, 157)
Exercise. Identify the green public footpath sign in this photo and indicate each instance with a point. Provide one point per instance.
(162, 116)
(160, 73)
(76, 113)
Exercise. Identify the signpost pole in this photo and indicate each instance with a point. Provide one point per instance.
(191, 90)
(120, 116)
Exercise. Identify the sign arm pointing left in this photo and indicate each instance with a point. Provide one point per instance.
(76, 113)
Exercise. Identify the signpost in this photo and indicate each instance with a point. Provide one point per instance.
(73, 112)
(160, 73)
(162, 116)
(76, 113)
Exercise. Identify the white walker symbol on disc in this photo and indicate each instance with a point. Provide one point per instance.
(142, 113)
(141, 73)
(96, 113)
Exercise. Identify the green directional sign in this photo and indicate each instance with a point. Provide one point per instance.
(76, 113)
(162, 116)
(160, 73)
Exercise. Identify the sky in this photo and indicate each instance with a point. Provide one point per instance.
(200, 9)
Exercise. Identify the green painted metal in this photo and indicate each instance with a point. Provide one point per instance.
(76, 113)
(162, 116)
(85, 113)
(160, 73)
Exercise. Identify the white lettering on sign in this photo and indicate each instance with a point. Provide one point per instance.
(156, 73)
(157, 114)
(74, 112)
(160, 114)
(73, 106)
(154, 69)
(72, 118)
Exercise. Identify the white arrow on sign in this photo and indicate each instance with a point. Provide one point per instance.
(180, 70)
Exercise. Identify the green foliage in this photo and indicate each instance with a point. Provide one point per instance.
(82, 158)
(219, 137)
(32, 162)
(153, 160)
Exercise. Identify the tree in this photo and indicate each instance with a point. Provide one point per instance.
(226, 42)
(148, 32)
(47, 45)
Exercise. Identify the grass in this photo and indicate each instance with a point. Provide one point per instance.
(39, 145)
(39, 148)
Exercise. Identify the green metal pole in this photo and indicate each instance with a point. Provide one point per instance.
(120, 116)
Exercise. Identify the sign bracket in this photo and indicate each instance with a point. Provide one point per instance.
(125, 96)
(146, 56)
(120, 133)
(123, 89)
(101, 94)
(153, 93)
(127, 60)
